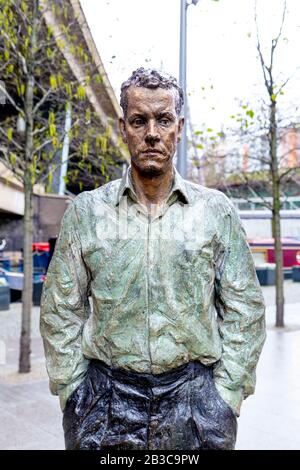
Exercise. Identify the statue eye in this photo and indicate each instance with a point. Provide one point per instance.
(138, 122)
(164, 121)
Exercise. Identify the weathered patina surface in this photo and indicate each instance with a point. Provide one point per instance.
(165, 290)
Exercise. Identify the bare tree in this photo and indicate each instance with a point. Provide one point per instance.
(270, 163)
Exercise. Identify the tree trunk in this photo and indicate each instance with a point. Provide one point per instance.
(25, 340)
(28, 181)
(279, 272)
(273, 223)
(276, 217)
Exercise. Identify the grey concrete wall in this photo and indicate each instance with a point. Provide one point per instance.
(12, 231)
(261, 227)
(48, 212)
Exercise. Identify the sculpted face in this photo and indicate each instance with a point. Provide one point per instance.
(151, 129)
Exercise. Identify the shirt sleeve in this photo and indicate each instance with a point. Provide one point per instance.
(64, 310)
(241, 318)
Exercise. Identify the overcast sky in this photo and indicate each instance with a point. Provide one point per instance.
(222, 64)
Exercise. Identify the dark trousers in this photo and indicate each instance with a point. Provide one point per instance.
(119, 409)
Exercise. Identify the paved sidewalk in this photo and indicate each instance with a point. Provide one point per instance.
(270, 419)
(31, 417)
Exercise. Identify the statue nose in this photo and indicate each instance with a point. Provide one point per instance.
(152, 139)
(152, 135)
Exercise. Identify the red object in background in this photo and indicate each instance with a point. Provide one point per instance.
(290, 250)
(41, 246)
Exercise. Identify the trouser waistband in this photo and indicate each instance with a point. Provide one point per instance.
(184, 371)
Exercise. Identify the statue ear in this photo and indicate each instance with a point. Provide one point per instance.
(180, 128)
(122, 128)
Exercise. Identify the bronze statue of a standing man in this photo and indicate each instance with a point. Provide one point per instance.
(167, 353)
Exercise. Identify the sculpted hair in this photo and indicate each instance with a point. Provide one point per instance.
(151, 78)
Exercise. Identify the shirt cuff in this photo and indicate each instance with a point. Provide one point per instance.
(232, 398)
(65, 391)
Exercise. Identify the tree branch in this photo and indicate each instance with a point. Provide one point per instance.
(275, 41)
(39, 131)
(10, 99)
(258, 46)
(287, 172)
(42, 101)
(40, 147)
(19, 147)
(18, 53)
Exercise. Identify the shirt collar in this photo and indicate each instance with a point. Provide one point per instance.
(178, 186)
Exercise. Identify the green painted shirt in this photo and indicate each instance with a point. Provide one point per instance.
(163, 290)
